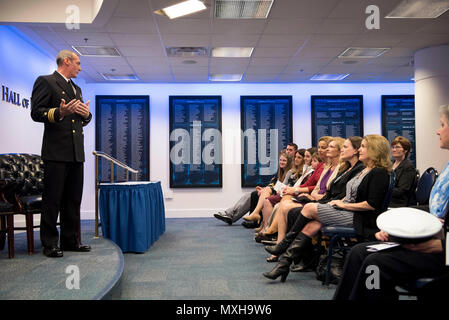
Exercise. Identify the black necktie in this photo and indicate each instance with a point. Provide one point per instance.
(72, 85)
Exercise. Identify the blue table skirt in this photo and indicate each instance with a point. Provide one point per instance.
(132, 215)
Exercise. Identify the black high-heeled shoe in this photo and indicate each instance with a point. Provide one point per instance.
(281, 270)
(265, 236)
(251, 224)
(280, 248)
(293, 253)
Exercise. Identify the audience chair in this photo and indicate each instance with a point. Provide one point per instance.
(412, 195)
(424, 186)
(341, 239)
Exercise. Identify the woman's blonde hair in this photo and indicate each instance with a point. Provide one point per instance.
(379, 152)
(339, 141)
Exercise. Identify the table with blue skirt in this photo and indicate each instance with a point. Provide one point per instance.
(132, 214)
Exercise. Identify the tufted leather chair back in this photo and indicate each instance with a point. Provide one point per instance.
(22, 175)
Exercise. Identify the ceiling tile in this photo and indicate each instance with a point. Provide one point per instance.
(227, 40)
(186, 40)
(130, 25)
(142, 51)
(302, 9)
(292, 26)
(138, 40)
(183, 26)
(93, 39)
(238, 26)
(282, 40)
(274, 52)
(133, 9)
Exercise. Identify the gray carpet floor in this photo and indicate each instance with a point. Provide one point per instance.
(204, 258)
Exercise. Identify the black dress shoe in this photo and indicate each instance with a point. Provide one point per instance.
(224, 218)
(53, 252)
(77, 248)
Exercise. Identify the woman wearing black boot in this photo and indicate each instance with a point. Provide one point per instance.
(351, 166)
(364, 199)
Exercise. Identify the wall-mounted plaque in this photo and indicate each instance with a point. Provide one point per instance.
(336, 116)
(266, 123)
(398, 119)
(123, 131)
(195, 142)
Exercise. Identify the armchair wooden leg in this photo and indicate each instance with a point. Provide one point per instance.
(30, 232)
(10, 228)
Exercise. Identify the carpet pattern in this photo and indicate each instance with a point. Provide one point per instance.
(204, 258)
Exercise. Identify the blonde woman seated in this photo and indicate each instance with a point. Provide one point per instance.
(365, 194)
(254, 219)
(328, 174)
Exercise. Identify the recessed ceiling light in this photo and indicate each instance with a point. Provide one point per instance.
(96, 51)
(225, 77)
(232, 52)
(363, 52)
(182, 9)
(329, 77)
(419, 9)
(119, 77)
(246, 9)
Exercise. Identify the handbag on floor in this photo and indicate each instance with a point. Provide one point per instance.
(336, 268)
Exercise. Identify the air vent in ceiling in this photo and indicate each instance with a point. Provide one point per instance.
(363, 52)
(247, 9)
(188, 52)
(119, 77)
(96, 51)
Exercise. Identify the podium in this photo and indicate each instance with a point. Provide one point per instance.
(132, 214)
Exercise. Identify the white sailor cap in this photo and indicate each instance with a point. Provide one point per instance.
(408, 225)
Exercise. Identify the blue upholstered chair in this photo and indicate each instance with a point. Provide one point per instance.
(424, 187)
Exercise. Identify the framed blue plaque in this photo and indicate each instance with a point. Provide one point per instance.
(122, 130)
(336, 116)
(195, 142)
(398, 119)
(266, 123)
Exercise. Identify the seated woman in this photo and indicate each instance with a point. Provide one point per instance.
(302, 171)
(406, 262)
(249, 200)
(404, 172)
(255, 218)
(349, 169)
(328, 174)
(365, 194)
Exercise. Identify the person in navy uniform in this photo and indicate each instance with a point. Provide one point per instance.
(58, 103)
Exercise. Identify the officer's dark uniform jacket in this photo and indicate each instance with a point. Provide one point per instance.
(63, 139)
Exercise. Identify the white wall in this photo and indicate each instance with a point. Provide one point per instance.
(21, 63)
(204, 202)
